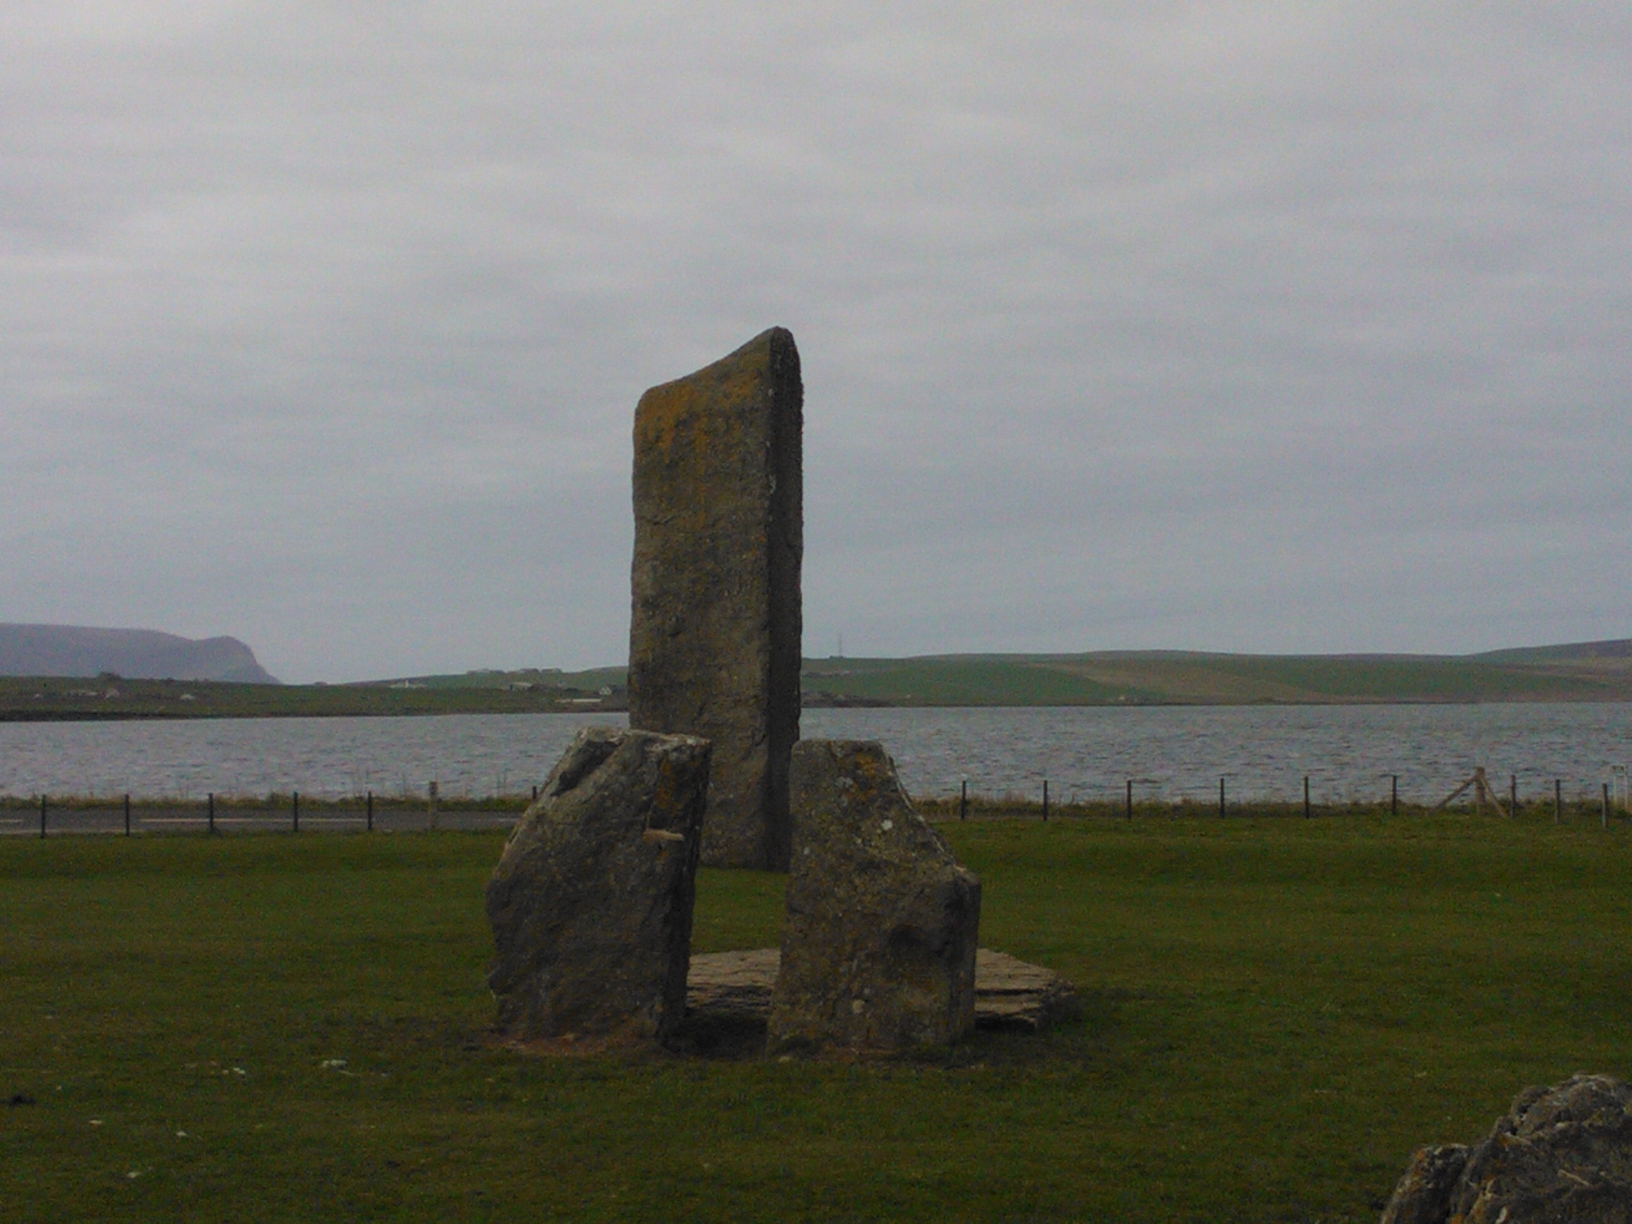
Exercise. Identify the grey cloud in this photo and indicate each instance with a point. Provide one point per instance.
(1286, 326)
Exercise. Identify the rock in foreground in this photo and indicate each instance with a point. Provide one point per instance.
(878, 942)
(1560, 1154)
(591, 902)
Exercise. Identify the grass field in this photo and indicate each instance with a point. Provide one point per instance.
(279, 1028)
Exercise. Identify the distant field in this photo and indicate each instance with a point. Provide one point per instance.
(1112, 678)
(1104, 678)
(268, 1027)
(25, 698)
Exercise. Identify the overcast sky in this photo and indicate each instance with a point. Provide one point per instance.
(1236, 326)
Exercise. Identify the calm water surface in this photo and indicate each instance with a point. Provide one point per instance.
(1262, 751)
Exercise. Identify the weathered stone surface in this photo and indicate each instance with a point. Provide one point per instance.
(1009, 993)
(715, 626)
(591, 901)
(732, 985)
(1561, 1153)
(878, 942)
(1014, 994)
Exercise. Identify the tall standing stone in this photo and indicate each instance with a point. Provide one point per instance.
(878, 941)
(591, 902)
(715, 625)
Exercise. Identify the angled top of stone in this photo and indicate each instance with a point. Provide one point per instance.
(767, 364)
(855, 783)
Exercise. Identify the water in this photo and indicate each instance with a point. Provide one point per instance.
(1085, 753)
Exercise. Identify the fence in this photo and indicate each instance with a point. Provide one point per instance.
(42, 816)
(1137, 797)
(292, 813)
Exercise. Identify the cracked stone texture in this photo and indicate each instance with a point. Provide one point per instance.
(591, 902)
(878, 941)
(1561, 1153)
(714, 636)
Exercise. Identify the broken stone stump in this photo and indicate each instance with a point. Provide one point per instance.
(591, 901)
(1561, 1153)
(714, 632)
(878, 941)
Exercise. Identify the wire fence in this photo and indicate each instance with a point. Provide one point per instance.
(44, 815)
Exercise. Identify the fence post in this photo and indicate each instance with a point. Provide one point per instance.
(430, 803)
(1221, 798)
(1394, 794)
(127, 814)
(295, 799)
(1512, 794)
(371, 811)
(1306, 796)
(1558, 800)
(211, 802)
(1045, 798)
(42, 815)
(963, 800)
(535, 794)
(1606, 805)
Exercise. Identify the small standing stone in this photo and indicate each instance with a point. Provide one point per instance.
(1561, 1153)
(591, 902)
(715, 620)
(878, 942)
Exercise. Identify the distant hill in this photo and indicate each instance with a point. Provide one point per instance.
(1595, 671)
(69, 650)
(1572, 652)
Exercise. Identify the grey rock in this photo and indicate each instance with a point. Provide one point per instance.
(591, 902)
(878, 941)
(715, 621)
(1009, 993)
(1562, 1153)
(1423, 1195)
(732, 985)
(1014, 994)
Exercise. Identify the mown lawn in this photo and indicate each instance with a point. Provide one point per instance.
(1278, 1010)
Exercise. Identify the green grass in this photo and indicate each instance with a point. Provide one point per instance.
(1184, 677)
(37, 699)
(1278, 1010)
(960, 682)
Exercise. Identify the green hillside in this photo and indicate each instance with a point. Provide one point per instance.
(1599, 671)
(1193, 678)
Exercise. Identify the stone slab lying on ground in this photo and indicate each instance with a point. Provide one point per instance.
(878, 938)
(1009, 993)
(591, 903)
(714, 629)
(1561, 1153)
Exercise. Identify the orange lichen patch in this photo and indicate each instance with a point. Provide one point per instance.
(684, 414)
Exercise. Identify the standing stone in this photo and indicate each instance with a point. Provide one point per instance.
(878, 942)
(1561, 1153)
(591, 902)
(715, 625)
